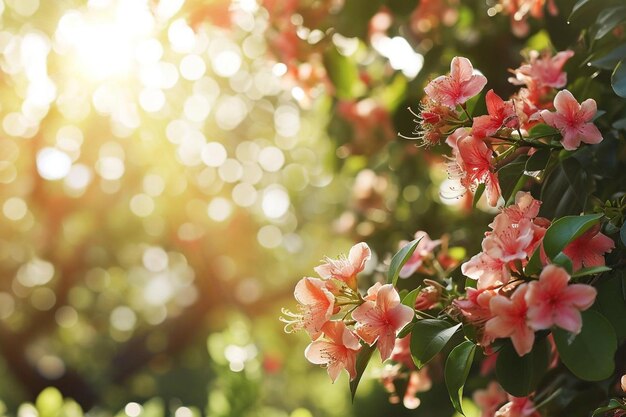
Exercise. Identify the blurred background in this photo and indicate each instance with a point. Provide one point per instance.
(169, 169)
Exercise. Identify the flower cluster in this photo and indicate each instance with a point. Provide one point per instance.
(482, 144)
(337, 317)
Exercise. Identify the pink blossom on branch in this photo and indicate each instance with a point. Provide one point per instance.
(501, 114)
(457, 87)
(346, 269)
(381, 320)
(509, 320)
(588, 249)
(486, 270)
(552, 302)
(543, 70)
(337, 350)
(573, 120)
(317, 305)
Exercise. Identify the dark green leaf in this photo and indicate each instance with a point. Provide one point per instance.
(608, 19)
(622, 233)
(613, 405)
(362, 359)
(542, 130)
(609, 60)
(428, 337)
(590, 354)
(563, 261)
(577, 7)
(509, 175)
(519, 376)
(406, 330)
(533, 266)
(618, 79)
(478, 193)
(457, 369)
(590, 271)
(399, 259)
(566, 229)
(610, 301)
(538, 160)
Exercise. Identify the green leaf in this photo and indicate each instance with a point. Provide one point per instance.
(406, 330)
(611, 303)
(613, 404)
(577, 7)
(590, 271)
(566, 229)
(509, 175)
(343, 73)
(622, 233)
(610, 59)
(409, 299)
(49, 402)
(478, 193)
(533, 266)
(542, 129)
(399, 259)
(519, 376)
(457, 369)
(590, 354)
(362, 359)
(538, 160)
(608, 19)
(428, 337)
(618, 79)
(564, 262)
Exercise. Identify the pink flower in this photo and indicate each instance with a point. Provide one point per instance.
(509, 320)
(588, 249)
(457, 87)
(337, 350)
(525, 207)
(401, 352)
(419, 381)
(423, 249)
(501, 114)
(552, 302)
(475, 307)
(428, 297)
(518, 407)
(486, 270)
(346, 269)
(509, 240)
(475, 161)
(317, 304)
(488, 400)
(382, 319)
(543, 70)
(573, 120)
(623, 383)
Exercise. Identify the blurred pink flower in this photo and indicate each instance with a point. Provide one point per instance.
(346, 269)
(518, 407)
(457, 87)
(489, 399)
(551, 301)
(501, 114)
(382, 320)
(317, 304)
(588, 249)
(401, 352)
(573, 120)
(623, 382)
(509, 320)
(337, 350)
(543, 70)
(423, 249)
(419, 381)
